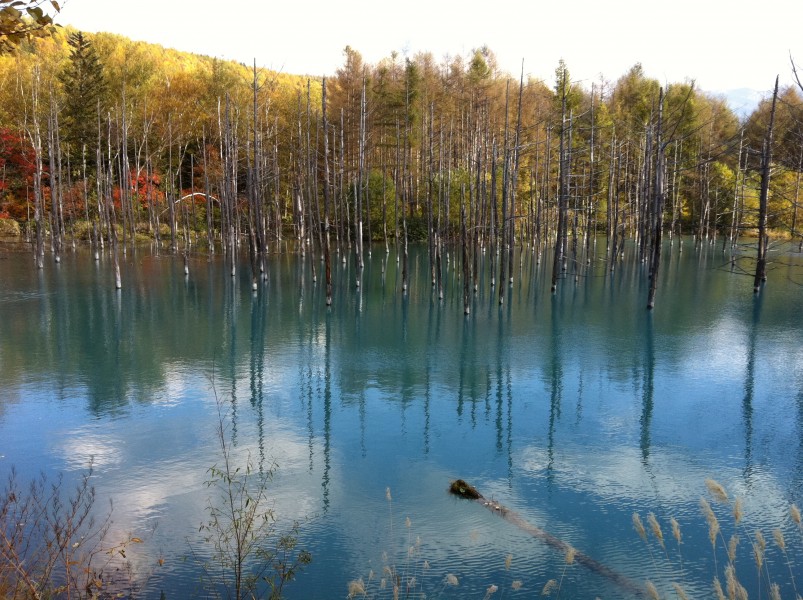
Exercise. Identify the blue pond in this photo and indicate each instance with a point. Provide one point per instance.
(573, 410)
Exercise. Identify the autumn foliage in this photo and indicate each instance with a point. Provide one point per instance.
(17, 165)
(148, 127)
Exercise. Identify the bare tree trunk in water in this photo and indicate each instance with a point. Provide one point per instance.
(404, 205)
(474, 201)
(658, 204)
(327, 254)
(796, 203)
(358, 186)
(171, 195)
(209, 208)
(55, 179)
(36, 142)
(735, 208)
(464, 245)
(503, 254)
(513, 181)
(562, 192)
(494, 208)
(110, 207)
(609, 207)
(766, 158)
(431, 237)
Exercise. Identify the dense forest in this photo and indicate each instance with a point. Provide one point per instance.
(113, 141)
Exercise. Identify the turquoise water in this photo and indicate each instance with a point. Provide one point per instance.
(573, 410)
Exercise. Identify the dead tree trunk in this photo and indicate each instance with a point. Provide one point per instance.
(110, 206)
(327, 254)
(513, 182)
(735, 209)
(796, 201)
(658, 204)
(494, 209)
(464, 246)
(36, 141)
(503, 255)
(55, 180)
(766, 159)
(563, 191)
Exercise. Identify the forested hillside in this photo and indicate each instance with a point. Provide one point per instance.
(190, 150)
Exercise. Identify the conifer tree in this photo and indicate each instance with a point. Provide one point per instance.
(84, 87)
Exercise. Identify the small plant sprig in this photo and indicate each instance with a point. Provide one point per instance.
(251, 557)
(52, 547)
(568, 560)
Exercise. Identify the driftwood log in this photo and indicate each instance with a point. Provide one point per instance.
(467, 491)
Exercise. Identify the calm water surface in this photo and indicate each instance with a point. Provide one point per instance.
(572, 409)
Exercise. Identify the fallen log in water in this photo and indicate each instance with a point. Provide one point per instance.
(467, 491)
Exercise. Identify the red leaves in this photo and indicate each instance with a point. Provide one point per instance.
(17, 167)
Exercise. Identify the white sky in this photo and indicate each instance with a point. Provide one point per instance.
(722, 44)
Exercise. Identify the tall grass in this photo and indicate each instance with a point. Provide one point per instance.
(407, 573)
(738, 553)
(748, 563)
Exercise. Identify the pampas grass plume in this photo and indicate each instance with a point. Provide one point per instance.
(356, 588)
(737, 510)
(552, 584)
(676, 531)
(718, 589)
(758, 554)
(656, 528)
(735, 589)
(680, 591)
(775, 592)
(777, 534)
(732, 544)
(717, 491)
(639, 527)
(711, 518)
(761, 541)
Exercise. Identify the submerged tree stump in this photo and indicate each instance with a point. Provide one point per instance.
(460, 488)
(465, 490)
